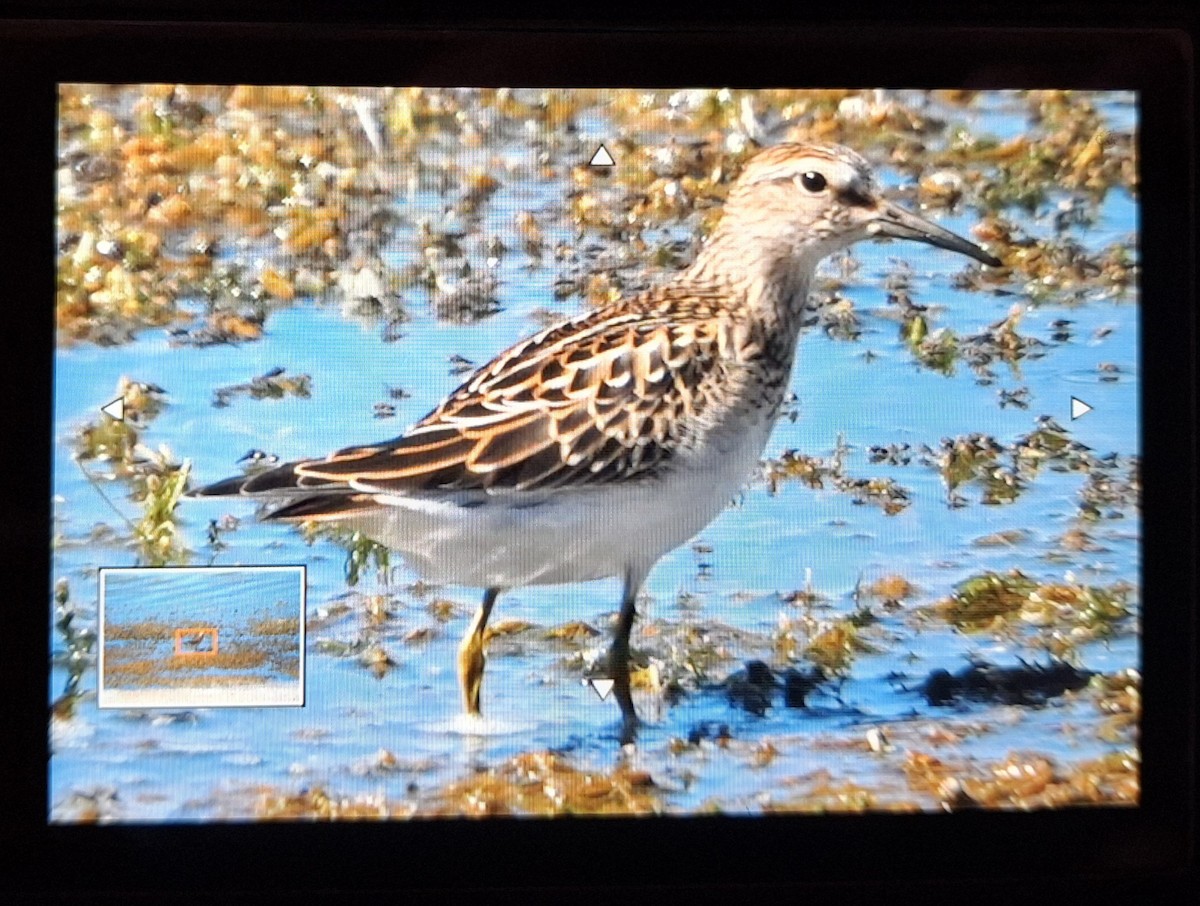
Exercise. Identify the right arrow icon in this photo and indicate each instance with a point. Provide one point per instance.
(1079, 408)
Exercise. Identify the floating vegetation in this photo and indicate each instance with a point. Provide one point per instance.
(378, 609)
(94, 805)
(156, 533)
(791, 464)
(363, 556)
(891, 454)
(112, 442)
(995, 602)
(836, 315)
(76, 655)
(217, 528)
(1025, 781)
(941, 349)
(975, 459)
(376, 659)
(574, 631)
(937, 350)
(1085, 154)
(543, 783)
(105, 290)
(419, 635)
(458, 292)
(834, 647)
(1058, 268)
(980, 603)
(318, 805)
(505, 628)
(148, 200)
(1004, 471)
(1111, 487)
(154, 479)
(141, 401)
(467, 299)
(1119, 697)
(891, 588)
(1050, 443)
(712, 731)
(340, 648)
(115, 442)
(814, 472)
(1018, 399)
(442, 609)
(221, 328)
(273, 384)
(1001, 342)
(158, 181)
(1005, 538)
(821, 793)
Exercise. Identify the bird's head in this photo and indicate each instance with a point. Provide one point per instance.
(816, 199)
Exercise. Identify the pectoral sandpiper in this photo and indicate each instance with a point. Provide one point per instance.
(594, 447)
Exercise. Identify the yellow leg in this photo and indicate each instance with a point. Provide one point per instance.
(470, 653)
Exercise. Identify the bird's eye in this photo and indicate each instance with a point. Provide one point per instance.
(813, 181)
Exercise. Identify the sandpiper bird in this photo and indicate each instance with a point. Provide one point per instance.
(594, 447)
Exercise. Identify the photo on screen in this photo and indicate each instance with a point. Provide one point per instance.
(552, 452)
(215, 637)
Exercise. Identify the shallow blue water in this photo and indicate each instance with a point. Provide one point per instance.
(176, 766)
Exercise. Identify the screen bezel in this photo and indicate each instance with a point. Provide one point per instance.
(1153, 839)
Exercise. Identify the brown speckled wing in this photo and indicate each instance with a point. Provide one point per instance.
(604, 398)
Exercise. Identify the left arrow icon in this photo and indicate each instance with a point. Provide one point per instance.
(115, 409)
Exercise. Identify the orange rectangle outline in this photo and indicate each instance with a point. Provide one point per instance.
(193, 630)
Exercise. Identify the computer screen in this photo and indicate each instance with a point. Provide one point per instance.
(433, 452)
(598, 456)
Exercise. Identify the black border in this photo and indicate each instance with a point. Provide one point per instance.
(1106, 851)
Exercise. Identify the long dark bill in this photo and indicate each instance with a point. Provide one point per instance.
(895, 222)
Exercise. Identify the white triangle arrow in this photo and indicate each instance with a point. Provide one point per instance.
(1079, 408)
(115, 409)
(602, 686)
(602, 158)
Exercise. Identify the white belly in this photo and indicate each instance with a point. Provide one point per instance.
(565, 535)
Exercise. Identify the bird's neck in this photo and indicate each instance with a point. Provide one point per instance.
(768, 276)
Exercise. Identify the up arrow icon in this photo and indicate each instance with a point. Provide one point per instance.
(602, 158)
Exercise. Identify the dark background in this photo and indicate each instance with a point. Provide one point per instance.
(1100, 855)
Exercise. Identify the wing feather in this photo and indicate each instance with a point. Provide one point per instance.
(607, 397)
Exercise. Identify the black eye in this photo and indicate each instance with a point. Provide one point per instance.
(812, 181)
